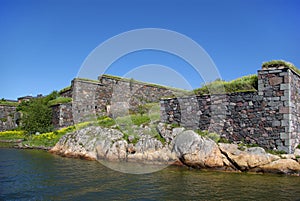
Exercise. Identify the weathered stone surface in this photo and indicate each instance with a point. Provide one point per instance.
(283, 166)
(297, 152)
(196, 151)
(167, 132)
(253, 117)
(275, 80)
(96, 143)
(7, 117)
(248, 159)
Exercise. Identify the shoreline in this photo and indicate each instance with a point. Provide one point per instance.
(177, 163)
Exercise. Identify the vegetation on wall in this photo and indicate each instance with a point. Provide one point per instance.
(9, 103)
(277, 63)
(242, 84)
(65, 89)
(59, 100)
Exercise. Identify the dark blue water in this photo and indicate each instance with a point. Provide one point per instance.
(38, 175)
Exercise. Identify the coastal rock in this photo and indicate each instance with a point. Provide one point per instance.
(82, 143)
(282, 166)
(167, 132)
(196, 151)
(151, 150)
(297, 152)
(247, 159)
(96, 143)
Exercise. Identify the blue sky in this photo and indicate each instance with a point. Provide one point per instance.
(43, 43)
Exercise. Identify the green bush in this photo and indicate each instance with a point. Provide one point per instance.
(36, 115)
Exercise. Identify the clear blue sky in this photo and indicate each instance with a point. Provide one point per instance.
(43, 43)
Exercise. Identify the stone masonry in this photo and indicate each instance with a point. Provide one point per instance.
(269, 117)
(8, 116)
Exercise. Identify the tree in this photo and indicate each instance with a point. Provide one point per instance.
(37, 115)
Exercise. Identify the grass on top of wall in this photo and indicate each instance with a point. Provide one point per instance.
(59, 100)
(242, 84)
(277, 63)
(8, 103)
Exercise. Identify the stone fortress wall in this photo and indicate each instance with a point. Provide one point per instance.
(7, 117)
(109, 95)
(269, 117)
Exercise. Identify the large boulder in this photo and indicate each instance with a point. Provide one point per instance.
(282, 166)
(196, 151)
(82, 143)
(97, 143)
(246, 159)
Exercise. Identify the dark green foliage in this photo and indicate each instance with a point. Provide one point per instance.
(298, 147)
(36, 115)
(276, 152)
(243, 84)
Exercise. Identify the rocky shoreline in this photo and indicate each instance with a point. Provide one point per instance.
(182, 147)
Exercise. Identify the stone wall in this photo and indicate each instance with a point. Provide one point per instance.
(66, 93)
(112, 96)
(269, 117)
(294, 108)
(8, 117)
(62, 115)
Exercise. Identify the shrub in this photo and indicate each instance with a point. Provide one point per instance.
(37, 117)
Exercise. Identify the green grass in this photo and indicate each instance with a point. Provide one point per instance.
(12, 135)
(213, 136)
(45, 139)
(59, 100)
(8, 103)
(64, 89)
(242, 84)
(275, 152)
(105, 121)
(275, 63)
